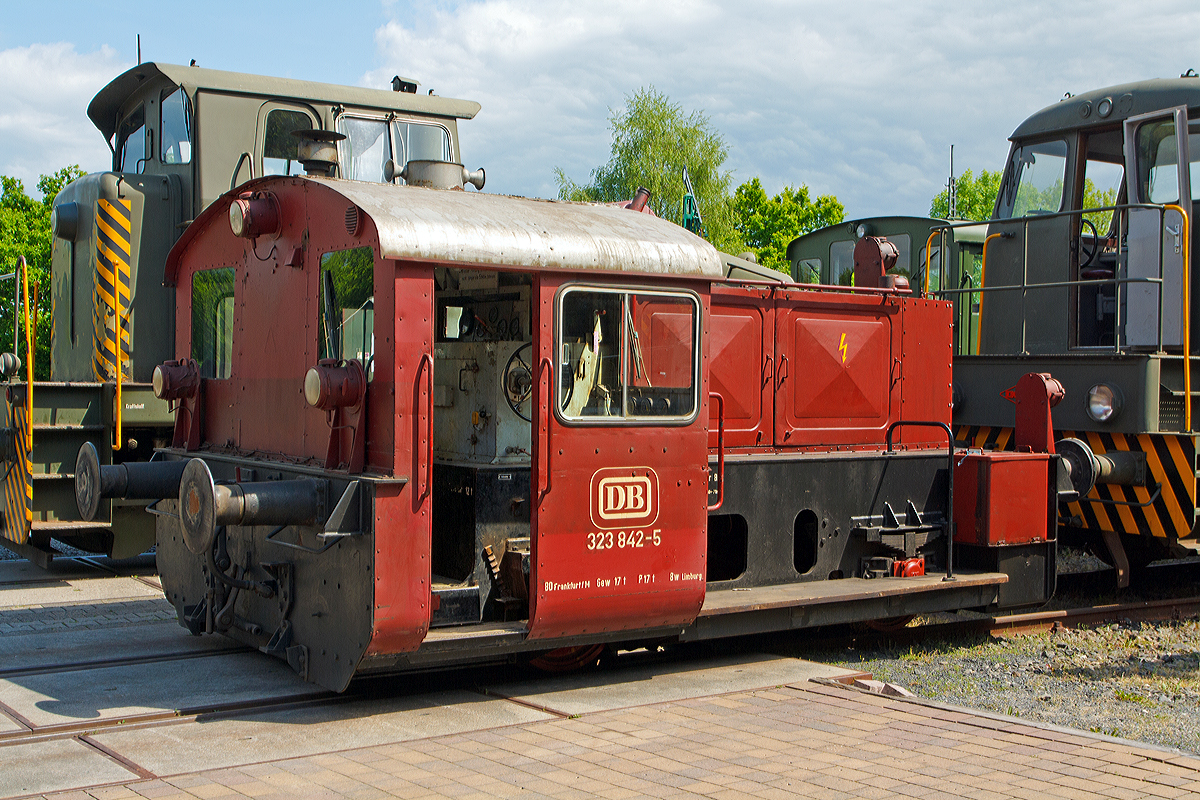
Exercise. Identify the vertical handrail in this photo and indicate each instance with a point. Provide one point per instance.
(949, 482)
(928, 245)
(29, 344)
(982, 283)
(1187, 316)
(118, 352)
(545, 370)
(422, 471)
(720, 450)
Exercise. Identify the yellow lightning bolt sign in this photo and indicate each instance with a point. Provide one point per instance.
(842, 347)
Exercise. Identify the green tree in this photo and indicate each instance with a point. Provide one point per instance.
(25, 231)
(768, 224)
(653, 139)
(976, 197)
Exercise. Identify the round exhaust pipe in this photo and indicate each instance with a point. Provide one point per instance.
(436, 174)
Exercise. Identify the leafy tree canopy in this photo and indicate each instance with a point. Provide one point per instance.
(768, 224)
(653, 139)
(976, 197)
(25, 231)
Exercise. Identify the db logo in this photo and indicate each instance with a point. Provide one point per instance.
(624, 496)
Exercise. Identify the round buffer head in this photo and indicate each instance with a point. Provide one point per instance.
(197, 507)
(87, 482)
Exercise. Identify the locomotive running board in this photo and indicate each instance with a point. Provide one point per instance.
(762, 609)
(726, 612)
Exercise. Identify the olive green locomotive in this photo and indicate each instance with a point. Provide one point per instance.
(180, 138)
(1086, 271)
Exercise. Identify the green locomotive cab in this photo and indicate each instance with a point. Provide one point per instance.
(1085, 272)
(180, 138)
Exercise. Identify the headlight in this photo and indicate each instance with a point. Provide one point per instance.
(1103, 402)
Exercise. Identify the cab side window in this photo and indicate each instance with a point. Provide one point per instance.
(175, 130)
(131, 142)
(212, 321)
(627, 355)
(279, 145)
(347, 305)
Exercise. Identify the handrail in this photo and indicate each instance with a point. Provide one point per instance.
(1187, 317)
(546, 371)
(949, 484)
(427, 474)
(720, 451)
(928, 253)
(29, 351)
(982, 274)
(118, 352)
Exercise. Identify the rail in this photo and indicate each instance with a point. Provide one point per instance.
(118, 352)
(1187, 315)
(1025, 286)
(949, 482)
(29, 351)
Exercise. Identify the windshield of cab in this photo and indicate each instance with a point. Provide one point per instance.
(1033, 180)
(371, 142)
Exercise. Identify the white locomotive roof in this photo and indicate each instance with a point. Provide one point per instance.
(467, 227)
(477, 229)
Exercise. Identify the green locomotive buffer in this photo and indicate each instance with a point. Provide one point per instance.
(181, 137)
(1084, 279)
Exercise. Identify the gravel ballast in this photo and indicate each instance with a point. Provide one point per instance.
(1134, 680)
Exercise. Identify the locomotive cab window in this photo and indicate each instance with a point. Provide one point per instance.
(1033, 180)
(131, 142)
(212, 321)
(366, 148)
(347, 305)
(279, 145)
(175, 130)
(415, 141)
(627, 355)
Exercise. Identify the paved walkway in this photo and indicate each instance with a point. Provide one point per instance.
(798, 740)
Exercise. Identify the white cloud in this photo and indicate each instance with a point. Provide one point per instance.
(862, 101)
(43, 109)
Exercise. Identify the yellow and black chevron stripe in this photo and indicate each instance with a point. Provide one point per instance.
(1170, 460)
(18, 472)
(111, 282)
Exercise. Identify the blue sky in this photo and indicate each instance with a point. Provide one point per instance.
(861, 100)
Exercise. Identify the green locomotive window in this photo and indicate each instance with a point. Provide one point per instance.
(627, 355)
(365, 150)
(841, 263)
(1033, 180)
(279, 146)
(176, 128)
(415, 141)
(212, 321)
(131, 138)
(347, 305)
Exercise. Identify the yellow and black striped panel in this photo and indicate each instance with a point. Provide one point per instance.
(18, 473)
(1170, 460)
(112, 276)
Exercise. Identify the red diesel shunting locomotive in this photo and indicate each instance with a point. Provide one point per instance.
(425, 426)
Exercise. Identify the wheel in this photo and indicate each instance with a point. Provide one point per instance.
(1091, 254)
(517, 379)
(568, 659)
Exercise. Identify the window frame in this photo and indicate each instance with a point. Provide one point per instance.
(1012, 177)
(189, 123)
(626, 420)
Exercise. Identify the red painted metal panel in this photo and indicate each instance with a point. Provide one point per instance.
(620, 524)
(403, 512)
(838, 376)
(996, 499)
(742, 364)
(926, 369)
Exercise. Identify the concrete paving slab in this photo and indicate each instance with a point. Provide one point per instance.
(221, 743)
(55, 766)
(8, 726)
(588, 692)
(74, 590)
(20, 570)
(150, 638)
(116, 692)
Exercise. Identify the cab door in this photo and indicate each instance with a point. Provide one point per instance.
(620, 459)
(1157, 169)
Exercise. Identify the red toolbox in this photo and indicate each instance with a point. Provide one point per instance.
(993, 501)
